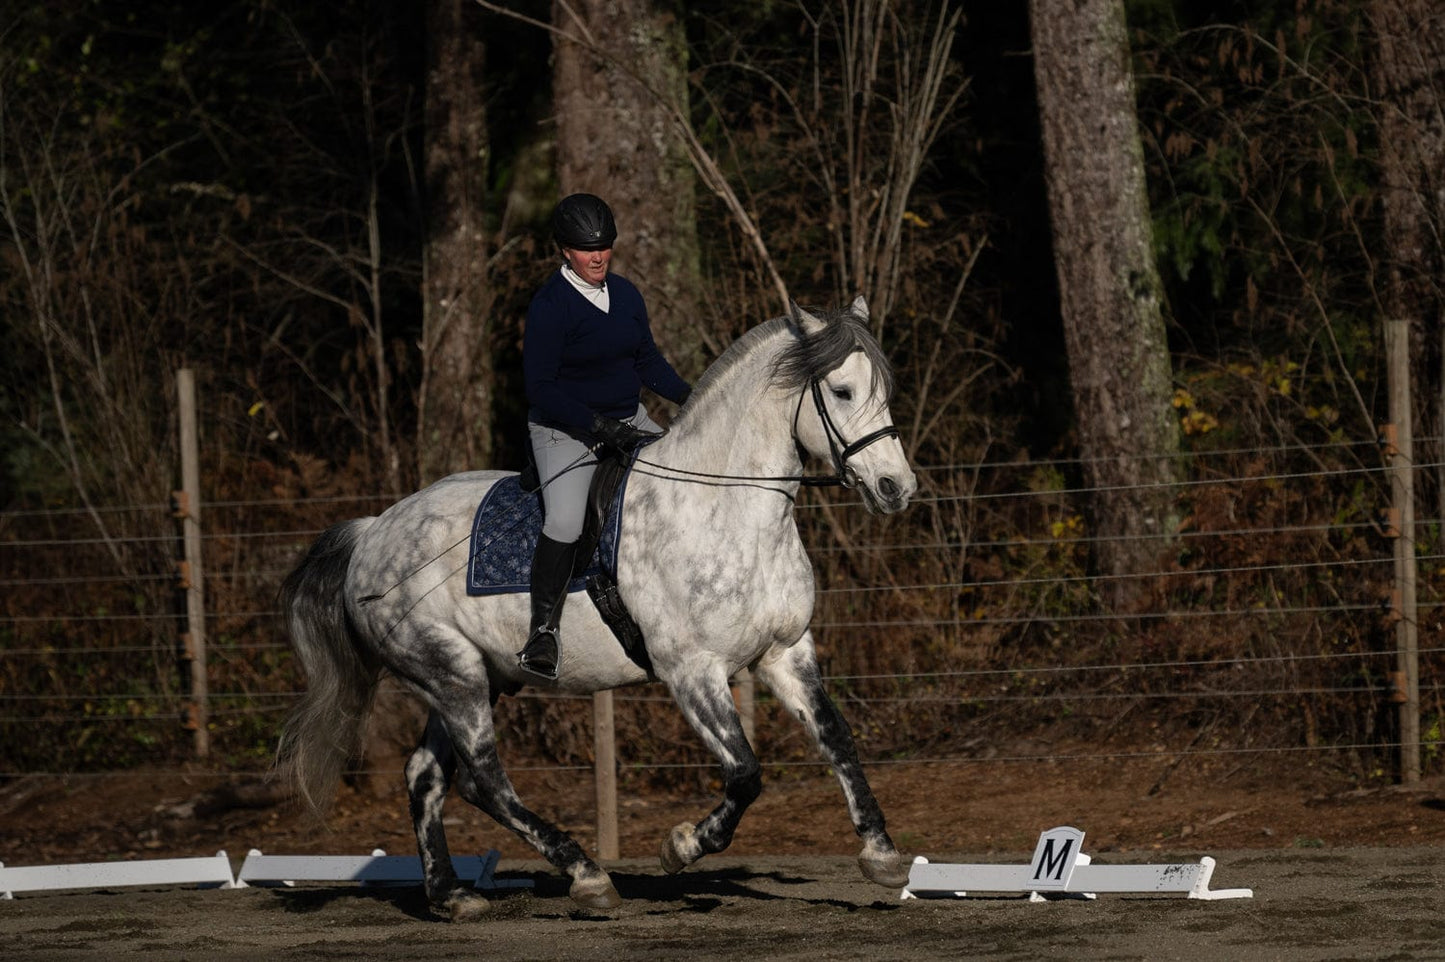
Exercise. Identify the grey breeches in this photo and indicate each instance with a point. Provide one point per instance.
(565, 466)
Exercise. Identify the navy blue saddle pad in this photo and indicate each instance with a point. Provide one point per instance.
(504, 536)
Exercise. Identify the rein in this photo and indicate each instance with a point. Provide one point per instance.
(839, 449)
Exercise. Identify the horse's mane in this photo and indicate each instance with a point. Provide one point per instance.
(809, 356)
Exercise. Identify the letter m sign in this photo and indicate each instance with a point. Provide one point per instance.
(1054, 859)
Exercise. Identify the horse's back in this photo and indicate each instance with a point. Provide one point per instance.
(483, 479)
(423, 536)
(456, 488)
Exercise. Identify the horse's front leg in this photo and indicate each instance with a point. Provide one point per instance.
(707, 704)
(792, 674)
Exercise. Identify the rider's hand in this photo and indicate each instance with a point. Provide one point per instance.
(618, 435)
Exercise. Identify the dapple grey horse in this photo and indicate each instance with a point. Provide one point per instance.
(709, 563)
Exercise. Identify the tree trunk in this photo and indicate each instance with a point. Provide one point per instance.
(615, 139)
(454, 430)
(454, 403)
(1410, 78)
(1108, 288)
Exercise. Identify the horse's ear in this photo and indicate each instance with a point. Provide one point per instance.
(802, 321)
(860, 307)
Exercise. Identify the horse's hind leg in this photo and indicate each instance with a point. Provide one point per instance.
(429, 773)
(484, 783)
(793, 676)
(707, 704)
(457, 688)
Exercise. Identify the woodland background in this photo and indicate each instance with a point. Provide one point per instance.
(1132, 262)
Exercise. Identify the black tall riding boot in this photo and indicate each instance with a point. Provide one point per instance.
(551, 570)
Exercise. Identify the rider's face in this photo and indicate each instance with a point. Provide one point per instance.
(590, 265)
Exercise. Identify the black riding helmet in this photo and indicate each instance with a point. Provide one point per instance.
(583, 222)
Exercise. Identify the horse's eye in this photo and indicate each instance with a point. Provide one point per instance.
(843, 393)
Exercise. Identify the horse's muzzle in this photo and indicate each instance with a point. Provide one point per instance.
(889, 495)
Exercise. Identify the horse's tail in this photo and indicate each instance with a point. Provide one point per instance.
(323, 731)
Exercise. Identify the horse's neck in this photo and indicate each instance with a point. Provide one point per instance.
(740, 432)
(744, 432)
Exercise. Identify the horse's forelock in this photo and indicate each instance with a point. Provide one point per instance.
(815, 354)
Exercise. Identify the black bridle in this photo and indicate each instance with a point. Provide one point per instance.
(839, 449)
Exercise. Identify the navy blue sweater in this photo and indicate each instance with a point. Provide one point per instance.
(577, 361)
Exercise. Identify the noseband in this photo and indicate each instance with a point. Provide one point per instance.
(839, 449)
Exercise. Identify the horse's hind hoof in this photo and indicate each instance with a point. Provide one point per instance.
(462, 905)
(595, 892)
(888, 869)
(680, 849)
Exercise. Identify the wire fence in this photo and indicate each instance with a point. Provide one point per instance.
(1272, 622)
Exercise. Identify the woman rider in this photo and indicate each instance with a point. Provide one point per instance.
(587, 351)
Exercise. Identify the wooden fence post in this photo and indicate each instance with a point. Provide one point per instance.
(188, 508)
(746, 699)
(604, 742)
(1402, 488)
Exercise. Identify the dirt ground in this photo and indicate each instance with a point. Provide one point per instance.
(1326, 904)
(1339, 872)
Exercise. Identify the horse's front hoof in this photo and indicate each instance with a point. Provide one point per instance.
(885, 868)
(680, 848)
(462, 905)
(595, 892)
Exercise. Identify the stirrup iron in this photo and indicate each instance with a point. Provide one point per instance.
(542, 655)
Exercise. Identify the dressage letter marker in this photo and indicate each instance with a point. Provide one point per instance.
(1059, 867)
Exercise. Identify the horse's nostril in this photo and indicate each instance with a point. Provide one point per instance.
(888, 488)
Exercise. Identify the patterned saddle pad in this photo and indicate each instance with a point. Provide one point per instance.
(504, 536)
